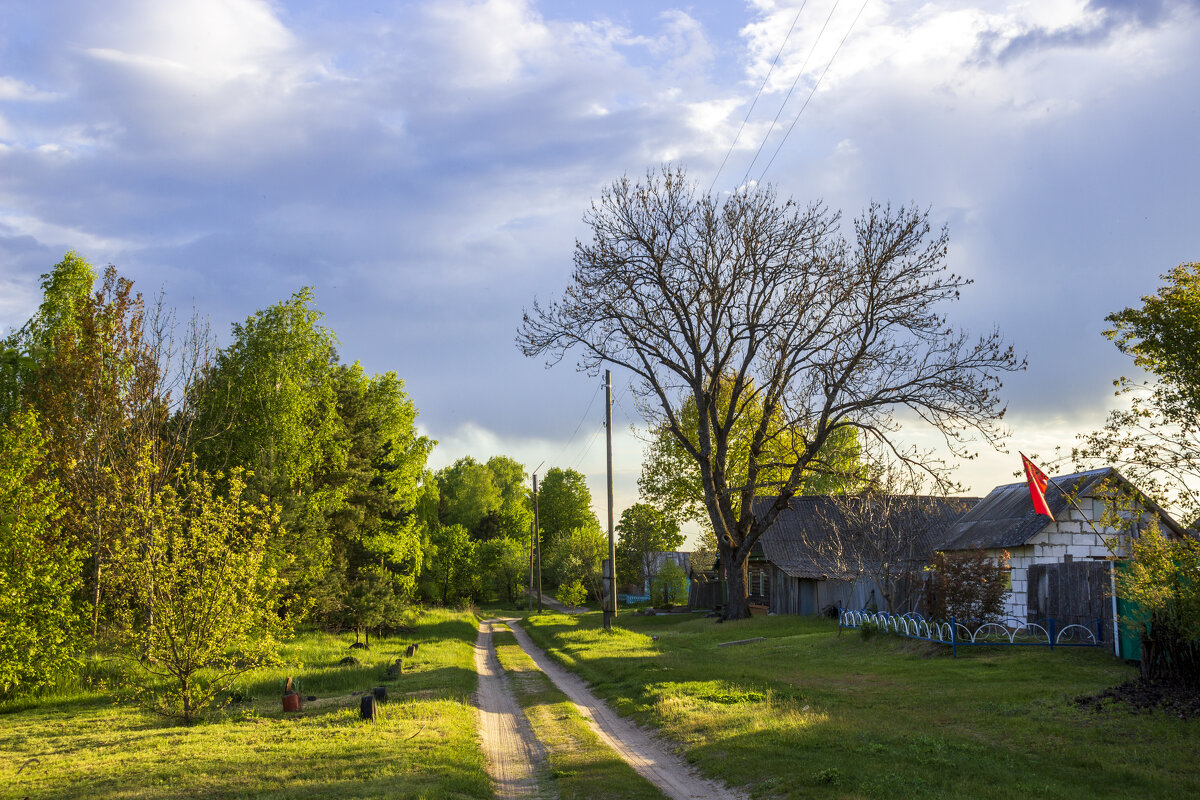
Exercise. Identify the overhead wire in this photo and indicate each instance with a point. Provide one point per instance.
(788, 96)
(811, 93)
(582, 419)
(758, 94)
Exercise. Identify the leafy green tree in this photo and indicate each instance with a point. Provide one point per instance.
(272, 399)
(469, 493)
(94, 380)
(669, 586)
(506, 563)
(576, 556)
(564, 504)
(212, 588)
(452, 572)
(41, 624)
(643, 532)
(1155, 438)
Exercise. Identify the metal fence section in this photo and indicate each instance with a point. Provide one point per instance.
(997, 633)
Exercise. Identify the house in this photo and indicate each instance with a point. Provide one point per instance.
(807, 569)
(1059, 568)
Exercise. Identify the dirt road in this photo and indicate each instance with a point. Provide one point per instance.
(513, 753)
(652, 760)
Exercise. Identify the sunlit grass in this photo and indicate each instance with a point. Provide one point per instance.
(809, 713)
(423, 744)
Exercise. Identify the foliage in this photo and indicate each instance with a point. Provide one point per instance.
(452, 574)
(571, 594)
(564, 504)
(577, 556)
(967, 585)
(506, 562)
(669, 586)
(1155, 439)
(1161, 586)
(210, 592)
(643, 532)
(819, 333)
(272, 395)
(671, 477)
(40, 624)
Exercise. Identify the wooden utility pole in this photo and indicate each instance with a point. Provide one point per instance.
(537, 543)
(610, 610)
(532, 536)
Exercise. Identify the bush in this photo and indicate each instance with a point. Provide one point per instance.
(967, 585)
(1162, 584)
(571, 594)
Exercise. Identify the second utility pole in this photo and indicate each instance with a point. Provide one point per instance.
(537, 543)
(610, 609)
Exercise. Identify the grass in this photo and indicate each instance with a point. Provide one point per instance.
(74, 742)
(581, 766)
(809, 713)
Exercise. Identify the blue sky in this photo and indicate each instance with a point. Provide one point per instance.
(425, 167)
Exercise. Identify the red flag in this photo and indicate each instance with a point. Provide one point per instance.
(1037, 486)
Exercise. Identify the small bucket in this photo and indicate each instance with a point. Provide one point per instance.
(291, 701)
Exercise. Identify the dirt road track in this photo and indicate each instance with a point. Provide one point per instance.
(671, 774)
(514, 755)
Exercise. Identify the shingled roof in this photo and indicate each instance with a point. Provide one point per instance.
(1005, 518)
(792, 543)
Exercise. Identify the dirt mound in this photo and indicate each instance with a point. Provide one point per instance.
(1144, 697)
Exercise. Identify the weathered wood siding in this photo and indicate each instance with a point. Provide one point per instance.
(1074, 592)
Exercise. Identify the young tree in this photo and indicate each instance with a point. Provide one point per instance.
(41, 624)
(1155, 440)
(451, 573)
(212, 589)
(642, 533)
(669, 585)
(576, 556)
(821, 335)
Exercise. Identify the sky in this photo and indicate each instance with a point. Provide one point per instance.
(425, 167)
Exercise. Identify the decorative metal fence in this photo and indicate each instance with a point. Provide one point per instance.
(1006, 632)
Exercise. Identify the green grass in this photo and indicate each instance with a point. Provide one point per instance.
(423, 744)
(808, 713)
(581, 766)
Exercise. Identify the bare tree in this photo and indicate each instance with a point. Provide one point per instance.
(886, 533)
(686, 290)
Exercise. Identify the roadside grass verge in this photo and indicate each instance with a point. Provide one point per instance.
(422, 744)
(809, 713)
(582, 767)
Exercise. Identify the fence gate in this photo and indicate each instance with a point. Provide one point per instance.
(1074, 592)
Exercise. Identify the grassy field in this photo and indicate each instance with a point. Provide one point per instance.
(808, 713)
(423, 744)
(582, 767)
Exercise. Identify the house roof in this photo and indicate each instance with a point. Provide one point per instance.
(1005, 518)
(794, 543)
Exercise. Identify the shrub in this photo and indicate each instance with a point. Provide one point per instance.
(1162, 584)
(967, 585)
(571, 594)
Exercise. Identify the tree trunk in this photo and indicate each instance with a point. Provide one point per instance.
(737, 603)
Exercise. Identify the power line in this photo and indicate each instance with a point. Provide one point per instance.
(814, 91)
(756, 96)
(783, 105)
(580, 424)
